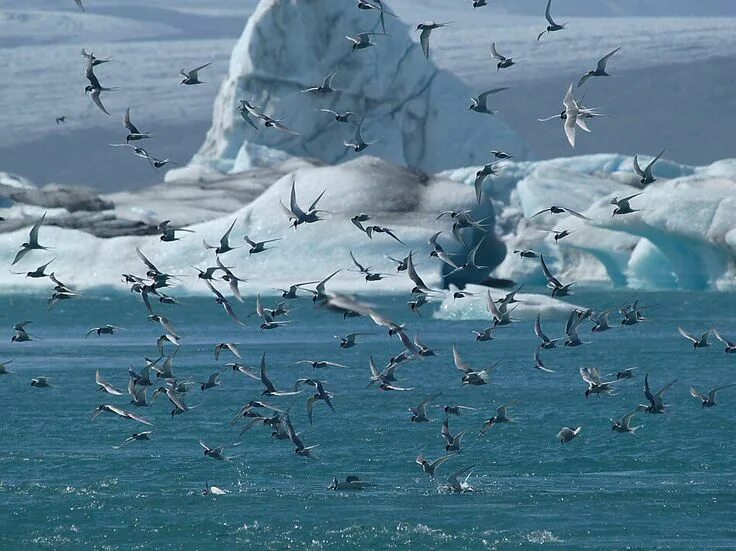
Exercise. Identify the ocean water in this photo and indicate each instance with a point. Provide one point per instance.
(63, 486)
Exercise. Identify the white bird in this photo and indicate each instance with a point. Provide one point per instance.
(538, 364)
(104, 330)
(566, 434)
(40, 382)
(554, 209)
(231, 346)
(120, 413)
(419, 412)
(546, 341)
(503, 61)
(452, 443)
(485, 335)
(656, 405)
(470, 376)
(575, 115)
(430, 467)
(32, 243)
(259, 246)
(500, 417)
(192, 76)
(455, 485)
(624, 424)
(213, 490)
(295, 213)
(479, 104)
(270, 388)
(105, 386)
(552, 27)
(136, 436)
(214, 453)
(427, 27)
(325, 87)
(600, 70)
(623, 206)
(730, 345)
(558, 289)
(592, 377)
(358, 144)
(646, 174)
(698, 342)
(362, 41)
(351, 482)
(709, 400)
(224, 245)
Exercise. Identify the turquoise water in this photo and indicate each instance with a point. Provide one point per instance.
(63, 486)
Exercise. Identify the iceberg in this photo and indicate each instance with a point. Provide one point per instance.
(417, 113)
(404, 200)
(681, 236)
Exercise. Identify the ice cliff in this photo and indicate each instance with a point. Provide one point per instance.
(418, 114)
(683, 235)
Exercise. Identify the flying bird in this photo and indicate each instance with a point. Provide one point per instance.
(552, 27)
(427, 27)
(600, 70)
(192, 76)
(503, 61)
(645, 175)
(32, 243)
(480, 104)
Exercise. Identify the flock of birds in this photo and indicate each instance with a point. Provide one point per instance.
(268, 409)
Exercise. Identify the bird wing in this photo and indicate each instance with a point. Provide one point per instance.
(424, 40)
(313, 206)
(138, 418)
(293, 205)
(264, 375)
(723, 339)
(713, 392)
(583, 79)
(225, 239)
(129, 125)
(193, 72)
(547, 13)
(413, 275)
(575, 213)
(79, 3)
(459, 362)
(484, 96)
(34, 230)
(569, 126)
(357, 264)
(630, 197)
(547, 274)
(495, 54)
(538, 329)
(664, 389)
(569, 99)
(408, 344)
(637, 168)
(692, 338)
(648, 169)
(604, 60)
(695, 394)
(95, 95)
